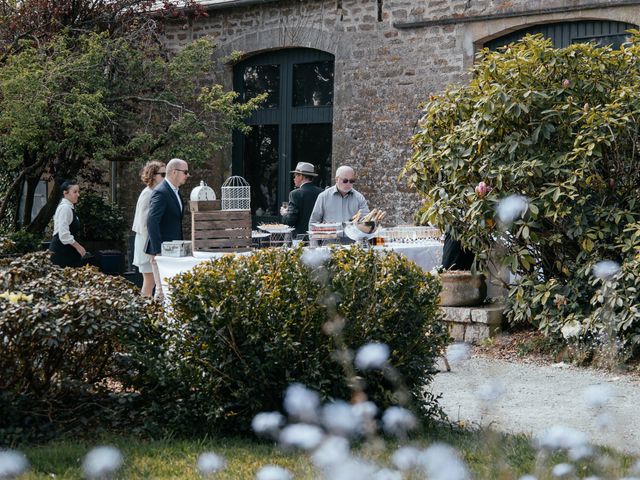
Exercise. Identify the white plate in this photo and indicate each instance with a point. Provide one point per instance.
(327, 225)
(276, 229)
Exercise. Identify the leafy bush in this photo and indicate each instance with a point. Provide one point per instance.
(559, 127)
(65, 335)
(245, 327)
(19, 243)
(99, 219)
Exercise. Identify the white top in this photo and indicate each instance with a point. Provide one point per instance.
(142, 212)
(61, 221)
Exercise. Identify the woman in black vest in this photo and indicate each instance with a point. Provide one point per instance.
(67, 252)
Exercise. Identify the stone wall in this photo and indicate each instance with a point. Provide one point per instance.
(386, 63)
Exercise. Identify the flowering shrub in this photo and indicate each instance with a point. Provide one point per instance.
(63, 333)
(555, 131)
(246, 327)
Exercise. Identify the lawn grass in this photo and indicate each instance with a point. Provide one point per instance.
(176, 459)
(489, 455)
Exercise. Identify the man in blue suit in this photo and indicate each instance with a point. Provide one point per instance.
(164, 222)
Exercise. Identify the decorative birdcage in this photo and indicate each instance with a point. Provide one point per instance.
(236, 194)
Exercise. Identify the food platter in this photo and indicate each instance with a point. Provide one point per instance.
(325, 226)
(276, 228)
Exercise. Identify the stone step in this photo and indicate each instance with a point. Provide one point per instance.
(473, 324)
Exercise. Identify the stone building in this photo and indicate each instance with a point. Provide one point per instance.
(346, 78)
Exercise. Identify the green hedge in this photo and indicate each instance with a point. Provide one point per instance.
(246, 327)
(65, 337)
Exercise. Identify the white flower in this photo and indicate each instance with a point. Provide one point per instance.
(315, 257)
(338, 418)
(365, 410)
(562, 470)
(406, 458)
(209, 463)
(372, 356)
(301, 403)
(491, 391)
(603, 421)
(597, 396)
(366, 413)
(441, 462)
(457, 353)
(12, 464)
(560, 437)
(580, 452)
(398, 421)
(386, 474)
(267, 423)
(102, 462)
(605, 269)
(332, 450)
(273, 472)
(571, 329)
(301, 435)
(351, 469)
(511, 208)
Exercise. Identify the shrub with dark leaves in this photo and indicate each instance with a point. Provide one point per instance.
(65, 335)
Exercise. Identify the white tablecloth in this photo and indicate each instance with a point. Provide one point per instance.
(427, 255)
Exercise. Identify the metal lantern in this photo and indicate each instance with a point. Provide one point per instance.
(236, 194)
(202, 193)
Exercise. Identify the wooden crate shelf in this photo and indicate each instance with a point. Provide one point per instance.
(221, 230)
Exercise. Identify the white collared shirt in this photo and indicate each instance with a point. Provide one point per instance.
(62, 219)
(175, 190)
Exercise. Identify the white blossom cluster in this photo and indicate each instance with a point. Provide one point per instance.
(325, 431)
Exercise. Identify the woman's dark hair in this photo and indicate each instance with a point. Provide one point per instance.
(67, 184)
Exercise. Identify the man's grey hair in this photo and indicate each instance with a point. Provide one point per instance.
(342, 170)
(176, 164)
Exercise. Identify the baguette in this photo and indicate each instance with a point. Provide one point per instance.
(356, 217)
(369, 216)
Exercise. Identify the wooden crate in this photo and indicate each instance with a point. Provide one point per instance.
(204, 206)
(221, 231)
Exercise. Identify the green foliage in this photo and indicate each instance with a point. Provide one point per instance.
(560, 127)
(19, 243)
(245, 327)
(64, 333)
(100, 219)
(78, 101)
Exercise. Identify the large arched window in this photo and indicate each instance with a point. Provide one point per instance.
(563, 34)
(294, 124)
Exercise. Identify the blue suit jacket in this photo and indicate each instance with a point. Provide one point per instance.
(164, 221)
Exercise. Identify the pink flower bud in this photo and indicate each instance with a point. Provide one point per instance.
(482, 189)
(566, 83)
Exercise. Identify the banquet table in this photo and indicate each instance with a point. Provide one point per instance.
(426, 254)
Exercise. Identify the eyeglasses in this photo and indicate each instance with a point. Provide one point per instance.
(348, 180)
(162, 174)
(186, 172)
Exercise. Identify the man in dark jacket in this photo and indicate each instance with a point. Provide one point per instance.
(164, 221)
(302, 199)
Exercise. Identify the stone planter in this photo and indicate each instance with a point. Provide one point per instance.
(461, 288)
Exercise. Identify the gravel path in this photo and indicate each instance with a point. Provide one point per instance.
(536, 397)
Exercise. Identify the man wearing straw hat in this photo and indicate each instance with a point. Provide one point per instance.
(302, 199)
